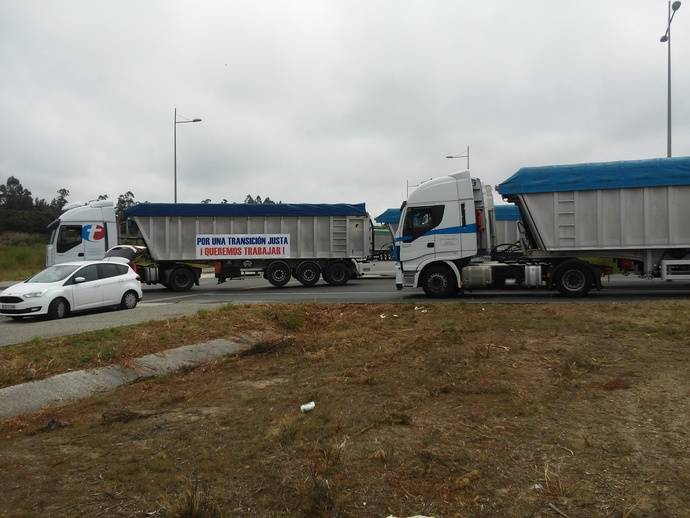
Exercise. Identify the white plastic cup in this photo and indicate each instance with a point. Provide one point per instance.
(307, 407)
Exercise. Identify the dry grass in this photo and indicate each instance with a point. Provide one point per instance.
(508, 411)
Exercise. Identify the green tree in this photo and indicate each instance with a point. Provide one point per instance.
(124, 202)
(60, 200)
(13, 195)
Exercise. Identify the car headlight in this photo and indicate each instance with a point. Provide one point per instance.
(34, 294)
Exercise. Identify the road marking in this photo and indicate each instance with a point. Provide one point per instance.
(173, 298)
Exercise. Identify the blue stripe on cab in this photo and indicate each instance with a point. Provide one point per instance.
(467, 229)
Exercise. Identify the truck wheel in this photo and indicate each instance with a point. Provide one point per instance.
(439, 282)
(573, 279)
(59, 308)
(278, 274)
(181, 279)
(308, 273)
(336, 274)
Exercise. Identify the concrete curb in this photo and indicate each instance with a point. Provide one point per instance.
(70, 386)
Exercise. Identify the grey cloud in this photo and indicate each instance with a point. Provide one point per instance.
(328, 101)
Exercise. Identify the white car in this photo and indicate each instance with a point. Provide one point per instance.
(63, 288)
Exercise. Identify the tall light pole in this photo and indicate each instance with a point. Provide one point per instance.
(175, 145)
(666, 38)
(466, 155)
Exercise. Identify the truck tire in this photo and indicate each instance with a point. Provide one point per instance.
(278, 274)
(573, 278)
(336, 274)
(439, 282)
(308, 273)
(181, 279)
(59, 308)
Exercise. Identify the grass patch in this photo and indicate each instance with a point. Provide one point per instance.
(21, 255)
(455, 411)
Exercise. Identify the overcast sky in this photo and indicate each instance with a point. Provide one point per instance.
(329, 100)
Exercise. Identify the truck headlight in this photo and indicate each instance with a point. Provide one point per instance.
(34, 294)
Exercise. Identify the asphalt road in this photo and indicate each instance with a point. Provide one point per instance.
(160, 303)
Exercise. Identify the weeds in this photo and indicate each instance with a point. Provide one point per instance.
(195, 502)
(322, 499)
(290, 318)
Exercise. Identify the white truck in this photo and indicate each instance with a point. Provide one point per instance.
(636, 213)
(307, 241)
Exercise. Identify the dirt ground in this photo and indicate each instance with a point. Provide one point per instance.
(449, 410)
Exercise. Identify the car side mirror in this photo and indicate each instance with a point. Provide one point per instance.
(77, 280)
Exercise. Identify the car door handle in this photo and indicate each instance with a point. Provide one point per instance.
(430, 245)
(80, 254)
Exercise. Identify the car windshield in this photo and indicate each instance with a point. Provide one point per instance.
(54, 273)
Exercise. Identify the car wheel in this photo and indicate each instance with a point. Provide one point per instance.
(278, 274)
(129, 300)
(59, 308)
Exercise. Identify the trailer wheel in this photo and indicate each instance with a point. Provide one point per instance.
(336, 274)
(181, 279)
(439, 282)
(278, 274)
(308, 273)
(573, 279)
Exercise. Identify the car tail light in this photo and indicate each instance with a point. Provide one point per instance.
(133, 266)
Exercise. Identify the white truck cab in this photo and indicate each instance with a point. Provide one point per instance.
(83, 232)
(438, 233)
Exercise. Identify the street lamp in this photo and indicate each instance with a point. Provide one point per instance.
(175, 145)
(666, 38)
(466, 155)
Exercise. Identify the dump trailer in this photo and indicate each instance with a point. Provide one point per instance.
(307, 241)
(635, 213)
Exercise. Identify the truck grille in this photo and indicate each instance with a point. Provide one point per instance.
(11, 300)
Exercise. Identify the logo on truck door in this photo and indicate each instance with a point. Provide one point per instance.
(93, 232)
(242, 246)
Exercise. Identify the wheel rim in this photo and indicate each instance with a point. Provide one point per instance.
(574, 280)
(309, 274)
(278, 274)
(437, 283)
(130, 300)
(181, 279)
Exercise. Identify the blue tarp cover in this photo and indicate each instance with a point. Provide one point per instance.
(507, 213)
(389, 217)
(243, 209)
(604, 175)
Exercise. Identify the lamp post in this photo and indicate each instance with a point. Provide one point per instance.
(175, 145)
(666, 38)
(466, 155)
